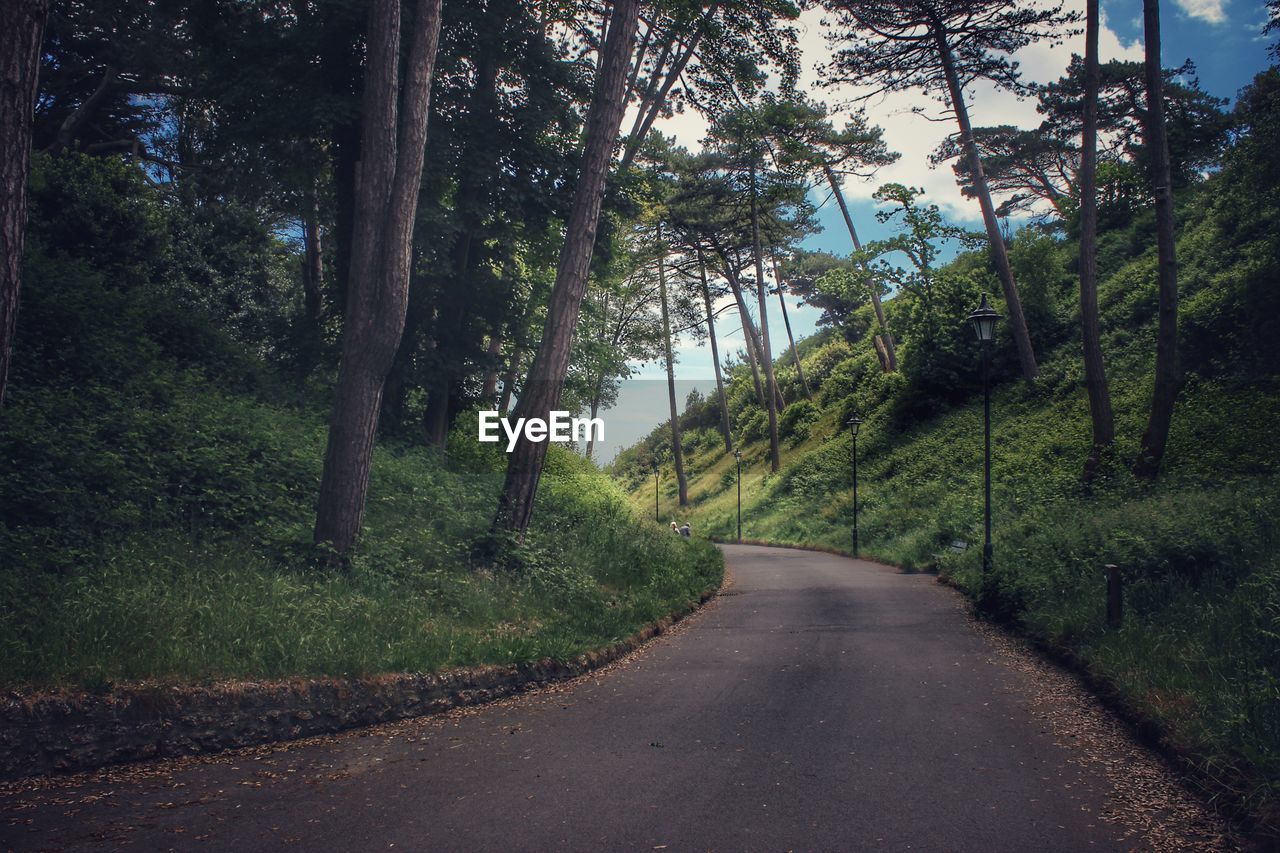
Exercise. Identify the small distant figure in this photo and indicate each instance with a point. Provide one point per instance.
(674, 527)
(684, 531)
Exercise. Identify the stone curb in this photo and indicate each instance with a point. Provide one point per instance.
(63, 732)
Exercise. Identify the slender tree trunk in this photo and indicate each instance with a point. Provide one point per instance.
(999, 254)
(395, 129)
(73, 123)
(312, 268)
(595, 410)
(748, 330)
(509, 382)
(886, 337)
(650, 105)
(543, 386)
(21, 31)
(1156, 436)
(489, 391)
(677, 452)
(1094, 372)
(749, 335)
(775, 456)
(715, 356)
(786, 321)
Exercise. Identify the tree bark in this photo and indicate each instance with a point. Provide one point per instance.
(715, 356)
(489, 391)
(1156, 436)
(545, 382)
(995, 240)
(1094, 371)
(70, 126)
(509, 382)
(651, 105)
(21, 32)
(394, 144)
(677, 452)
(791, 340)
(885, 335)
(775, 456)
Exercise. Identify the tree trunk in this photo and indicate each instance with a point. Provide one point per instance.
(749, 338)
(775, 457)
(509, 382)
(715, 356)
(595, 410)
(1095, 375)
(677, 452)
(545, 382)
(393, 146)
(21, 31)
(312, 269)
(71, 126)
(1156, 435)
(748, 330)
(489, 391)
(650, 105)
(999, 255)
(786, 321)
(886, 336)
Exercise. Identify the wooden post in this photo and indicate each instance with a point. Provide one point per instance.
(1115, 597)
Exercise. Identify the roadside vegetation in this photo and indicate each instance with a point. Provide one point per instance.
(1198, 655)
(159, 485)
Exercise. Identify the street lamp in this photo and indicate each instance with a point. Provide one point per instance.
(656, 517)
(854, 423)
(737, 454)
(983, 320)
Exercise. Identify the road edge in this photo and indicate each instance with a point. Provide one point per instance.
(1222, 791)
(57, 733)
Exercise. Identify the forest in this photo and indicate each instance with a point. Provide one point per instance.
(265, 262)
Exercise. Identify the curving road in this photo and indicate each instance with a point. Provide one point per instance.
(819, 703)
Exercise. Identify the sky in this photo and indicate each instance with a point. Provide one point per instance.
(1222, 37)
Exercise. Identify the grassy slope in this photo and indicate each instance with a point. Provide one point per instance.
(162, 458)
(1199, 653)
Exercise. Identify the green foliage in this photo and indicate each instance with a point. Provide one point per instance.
(156, 511)
(796, 420)
(1197, 549)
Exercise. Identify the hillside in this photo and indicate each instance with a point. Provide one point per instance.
(1197, 548)
(163, 450)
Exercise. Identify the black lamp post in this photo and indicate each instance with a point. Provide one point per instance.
(983, 320)
(854, 422)
(737, 454)
(656, 517)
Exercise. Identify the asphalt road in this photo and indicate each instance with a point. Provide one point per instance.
(819, 703)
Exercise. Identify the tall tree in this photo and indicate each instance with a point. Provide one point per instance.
(942, 47)
(1095, 375)
(393, 148)
(21, 28)
(808, 139)
(542, 388)
(1156, 436)
(677, 452)
(715, 353)
(786, 321)
(775, 456)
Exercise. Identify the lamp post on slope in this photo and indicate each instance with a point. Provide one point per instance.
(983, 320)
(737, 454)
(854, 423)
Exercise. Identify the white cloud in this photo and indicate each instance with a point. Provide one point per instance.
(1210, 11)
(914, 136)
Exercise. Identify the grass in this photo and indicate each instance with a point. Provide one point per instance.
(189, 601)
(1198, 656)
